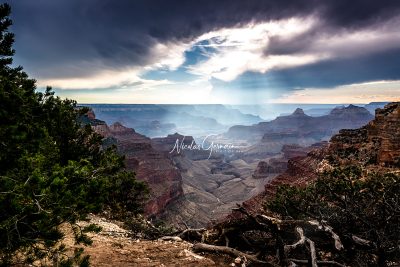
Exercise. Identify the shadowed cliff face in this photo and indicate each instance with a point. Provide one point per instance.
(375, 146)
(150, 165)
(278, 165)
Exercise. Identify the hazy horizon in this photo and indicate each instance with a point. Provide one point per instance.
(157, 120)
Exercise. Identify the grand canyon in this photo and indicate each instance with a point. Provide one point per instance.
(191, 188)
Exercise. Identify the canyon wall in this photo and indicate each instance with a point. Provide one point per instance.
(150, 165)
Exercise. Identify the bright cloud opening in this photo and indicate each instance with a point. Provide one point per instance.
(242, 49)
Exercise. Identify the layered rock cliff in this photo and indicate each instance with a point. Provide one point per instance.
(278, 165)
(378, 143)
(150, 165)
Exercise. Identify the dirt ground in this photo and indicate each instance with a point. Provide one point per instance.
(113, 247)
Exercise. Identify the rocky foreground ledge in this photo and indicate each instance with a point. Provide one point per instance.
(114, 246)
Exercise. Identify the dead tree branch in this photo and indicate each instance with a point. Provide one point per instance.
(201, 247)
(302, 240)
(329, 229)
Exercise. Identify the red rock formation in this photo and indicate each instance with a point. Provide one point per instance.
(150, 165)
(273, 166)
(294, 150)
(262, 171)
(280, 164)
(377, 143)
(386, 127)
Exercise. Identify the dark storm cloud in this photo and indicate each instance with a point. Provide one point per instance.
(331, 73)
(68, 38)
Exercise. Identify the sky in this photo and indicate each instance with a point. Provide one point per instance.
(211, 51)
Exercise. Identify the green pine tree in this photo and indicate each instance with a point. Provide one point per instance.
(53, 170)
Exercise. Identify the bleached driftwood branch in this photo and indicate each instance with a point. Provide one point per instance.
(229, 251)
